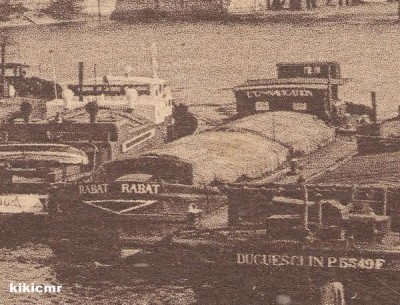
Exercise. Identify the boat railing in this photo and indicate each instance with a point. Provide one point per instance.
(107, 89)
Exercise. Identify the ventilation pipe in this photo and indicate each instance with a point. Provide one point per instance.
(26, 111)
(92, 108)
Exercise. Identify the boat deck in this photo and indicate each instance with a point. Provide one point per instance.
(380, 168)
(315, 164)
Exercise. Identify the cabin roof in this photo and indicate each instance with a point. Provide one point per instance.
(11, 65)
(105, 116)
(312, 63)
(110, 126)
(42, 152)
(302, 82)
(123, 80)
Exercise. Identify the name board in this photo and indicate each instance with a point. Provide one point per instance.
(124, 188)
(311, 261)
(21, 203)
(280, 93)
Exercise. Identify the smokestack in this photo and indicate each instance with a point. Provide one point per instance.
(374, 107)
(92, 109)
(80, 80)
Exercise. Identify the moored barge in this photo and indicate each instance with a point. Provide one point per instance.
(93, 123)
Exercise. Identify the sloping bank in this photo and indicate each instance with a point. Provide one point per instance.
(249, 147)
(36, 18)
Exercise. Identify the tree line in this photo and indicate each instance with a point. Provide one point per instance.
(59, 9)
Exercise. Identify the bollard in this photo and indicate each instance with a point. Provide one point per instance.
(293, 167)
(194, 216)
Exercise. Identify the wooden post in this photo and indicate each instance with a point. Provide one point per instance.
(99, 9)
(329, 97)
(95, 78)
(398, 9)
(80, 80)
(374, 107)
(273, 126)
(3, 70)
(385, 200)
(319, 201)
(353, 193)
(305, 207)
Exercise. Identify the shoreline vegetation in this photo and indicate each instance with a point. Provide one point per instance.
(14, 13)
(70, 11)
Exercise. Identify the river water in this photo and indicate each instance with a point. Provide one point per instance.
(203, 60)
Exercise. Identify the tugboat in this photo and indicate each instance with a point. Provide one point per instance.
(81, 131)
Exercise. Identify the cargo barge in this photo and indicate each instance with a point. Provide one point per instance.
(245, 229)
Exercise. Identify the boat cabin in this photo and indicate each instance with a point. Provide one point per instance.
(148, 97)
(13, 73)
(309, 69)
(309, 87)
(14, 70)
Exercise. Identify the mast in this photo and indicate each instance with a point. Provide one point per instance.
(53, 64)
(154, 60)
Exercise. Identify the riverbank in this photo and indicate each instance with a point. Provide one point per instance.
(361, 13)
(36, 18)
(373, 13)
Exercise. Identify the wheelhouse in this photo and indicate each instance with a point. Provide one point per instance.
(309, 87)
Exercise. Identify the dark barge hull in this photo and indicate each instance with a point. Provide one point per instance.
(219, 276)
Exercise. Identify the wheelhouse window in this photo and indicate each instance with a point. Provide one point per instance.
(312, 70)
